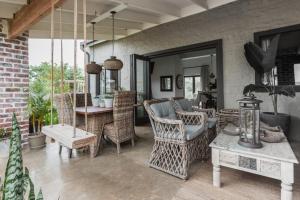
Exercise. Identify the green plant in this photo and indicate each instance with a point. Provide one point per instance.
(17, 182)
(39, 105)
(264, 63)
(3, 134)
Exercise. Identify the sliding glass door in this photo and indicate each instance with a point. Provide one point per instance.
(140, 82)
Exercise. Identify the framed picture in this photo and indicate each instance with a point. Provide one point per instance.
(166, 83)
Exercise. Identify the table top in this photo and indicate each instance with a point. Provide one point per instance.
(280, 151)
(93, 110)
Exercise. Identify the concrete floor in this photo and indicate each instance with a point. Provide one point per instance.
(112, 177)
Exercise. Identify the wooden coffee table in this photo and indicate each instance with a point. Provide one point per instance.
(274, 160)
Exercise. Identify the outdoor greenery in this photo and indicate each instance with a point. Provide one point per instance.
(17, 183)
(3, 134)
(39, 104)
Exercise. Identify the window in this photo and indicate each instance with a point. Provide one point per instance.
(109, 81)
(192, 84)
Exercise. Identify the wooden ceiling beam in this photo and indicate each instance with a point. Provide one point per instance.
(29, 15)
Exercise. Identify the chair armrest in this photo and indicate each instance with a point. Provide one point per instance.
(192, 118)
(211, 112)
(169, 129)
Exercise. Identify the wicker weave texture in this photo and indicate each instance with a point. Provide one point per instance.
(172, 152)
(122, 128)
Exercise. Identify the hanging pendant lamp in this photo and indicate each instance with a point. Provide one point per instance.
(113, 63)
(93, 67)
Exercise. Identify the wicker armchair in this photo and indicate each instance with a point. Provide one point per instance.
(65, 115)
(122, 128)
(180, 138)
(181, 104)
(80, 100)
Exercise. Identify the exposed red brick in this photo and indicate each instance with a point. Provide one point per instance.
(10, 60)
(13, 51)
(2, 44)
(12, 41)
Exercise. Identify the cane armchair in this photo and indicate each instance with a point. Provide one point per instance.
(80, 99)
(180, 138)
(122, 127)
(184, 105)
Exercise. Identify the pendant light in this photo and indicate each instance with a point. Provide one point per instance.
(113, 63)
(93, 68)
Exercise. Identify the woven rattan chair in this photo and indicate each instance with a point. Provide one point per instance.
(180, 138)
(67, 111)
(122, 128)
(80, 100)
(182, 104)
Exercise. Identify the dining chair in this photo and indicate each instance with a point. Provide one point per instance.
(80, 100)
(122, 127)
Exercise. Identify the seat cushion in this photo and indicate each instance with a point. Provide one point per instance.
(212, 122)
(193, 131)
(185, 105)
(164, 110)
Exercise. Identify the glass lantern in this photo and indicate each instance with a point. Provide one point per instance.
(249, 122)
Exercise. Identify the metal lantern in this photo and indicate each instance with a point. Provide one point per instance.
(249, 122)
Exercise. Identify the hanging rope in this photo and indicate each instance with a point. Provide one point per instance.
(85, 63)
(75, 67)
(61, 69)
(52, 59)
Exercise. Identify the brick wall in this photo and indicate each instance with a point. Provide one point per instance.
(235, 24)
(14, 80)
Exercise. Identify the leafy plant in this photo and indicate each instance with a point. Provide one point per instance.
(39, 105)
(17, 182)
(3, 134)
(263, 62)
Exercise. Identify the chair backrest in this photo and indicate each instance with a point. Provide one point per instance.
(80, 100)
(182, 104)
(123, 109)
(163, 109)
(67, 108)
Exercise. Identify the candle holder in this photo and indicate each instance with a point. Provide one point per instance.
(249, 113)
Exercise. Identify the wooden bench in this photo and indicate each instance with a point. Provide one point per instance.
(63, 134)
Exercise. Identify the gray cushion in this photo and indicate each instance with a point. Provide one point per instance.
(185, 105)
(193, 131)
(212, 122)
(164, 110)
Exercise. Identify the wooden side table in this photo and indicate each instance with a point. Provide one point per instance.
(274, 160)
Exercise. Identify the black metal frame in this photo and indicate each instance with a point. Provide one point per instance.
(217, 44)
(262, 34)
(161, 84)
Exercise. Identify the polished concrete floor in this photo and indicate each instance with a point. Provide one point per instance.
(113, 177)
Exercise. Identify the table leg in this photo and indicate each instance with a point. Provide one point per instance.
(217, 176)
(286, 191)
(92, 150)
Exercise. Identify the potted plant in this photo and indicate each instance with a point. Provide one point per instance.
(264, 63)
(17, 182)
(38, 108)
(108, 100)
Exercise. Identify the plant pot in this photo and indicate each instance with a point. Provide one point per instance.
(282, 120)
(108, 103)
(37, 141)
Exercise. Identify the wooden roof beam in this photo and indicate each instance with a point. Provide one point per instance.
(29, 15)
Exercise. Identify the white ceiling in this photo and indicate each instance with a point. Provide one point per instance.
(132, 15)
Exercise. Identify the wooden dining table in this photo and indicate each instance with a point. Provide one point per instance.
(96, 119)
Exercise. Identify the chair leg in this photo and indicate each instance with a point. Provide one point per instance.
(59, 149)
(70, 153)
(118, 147)
(132, 141)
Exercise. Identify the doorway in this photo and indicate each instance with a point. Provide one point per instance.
(193, 69)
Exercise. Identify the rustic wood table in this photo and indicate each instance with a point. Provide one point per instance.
(97, 118)
(274, 160)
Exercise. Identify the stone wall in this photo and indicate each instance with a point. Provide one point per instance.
(235, 24)
(14, 80)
